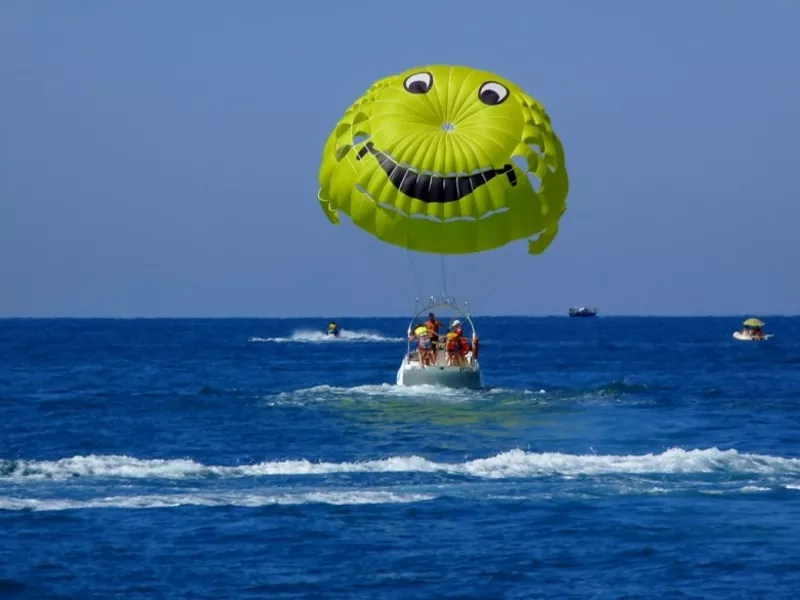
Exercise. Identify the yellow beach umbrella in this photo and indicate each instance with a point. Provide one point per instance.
(753, 322)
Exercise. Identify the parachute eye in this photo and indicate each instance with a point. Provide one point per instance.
(418, 83)
(492, 93)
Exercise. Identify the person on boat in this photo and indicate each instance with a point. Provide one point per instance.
(454, 349)
(456, 346)
(333, 329)
(757, 333)
(461, 345)
(424, 346)
(433, 325)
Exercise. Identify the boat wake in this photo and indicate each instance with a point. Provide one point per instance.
(312, 336)
(424, 393)
(612, 390)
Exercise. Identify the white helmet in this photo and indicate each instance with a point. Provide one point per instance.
(455, 323)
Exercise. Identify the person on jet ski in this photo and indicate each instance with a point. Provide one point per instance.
(333, 329)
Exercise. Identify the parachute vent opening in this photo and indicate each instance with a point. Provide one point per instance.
(360, 138)
(522, 164)
(342, 152)
(537, 150)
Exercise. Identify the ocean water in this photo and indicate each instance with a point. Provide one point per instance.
(609, 458)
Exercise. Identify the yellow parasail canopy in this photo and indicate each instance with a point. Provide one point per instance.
(446, 159)
(753, 322)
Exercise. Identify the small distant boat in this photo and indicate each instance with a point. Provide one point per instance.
(582, 311)
(752, 331)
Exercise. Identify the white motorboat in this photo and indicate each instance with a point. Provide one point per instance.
(752, 332)
(582, 311)
(446, 370)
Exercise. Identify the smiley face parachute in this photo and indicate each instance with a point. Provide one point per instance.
(446, 160)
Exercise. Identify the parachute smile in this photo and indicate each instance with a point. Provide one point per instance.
(426, 217)
(428, 187)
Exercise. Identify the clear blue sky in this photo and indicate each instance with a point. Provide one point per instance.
(160, 159)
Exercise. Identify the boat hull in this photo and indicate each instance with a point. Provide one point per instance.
(450, 377)
(743, 337)
(467, 377)
(583, 313)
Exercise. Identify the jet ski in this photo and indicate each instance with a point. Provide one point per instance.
(333, 329)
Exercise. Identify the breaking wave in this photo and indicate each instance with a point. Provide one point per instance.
(511, 464)
(344, 498)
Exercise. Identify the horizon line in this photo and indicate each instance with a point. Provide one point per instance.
(328, 317)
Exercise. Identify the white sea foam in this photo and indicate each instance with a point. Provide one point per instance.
(220, 499)
(513, 463)
(751, 489)
(387, 390)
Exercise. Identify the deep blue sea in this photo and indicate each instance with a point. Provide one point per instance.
(254, 458)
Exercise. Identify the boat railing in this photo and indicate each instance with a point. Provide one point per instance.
(433, 303)
(440, 358)
(440, 351)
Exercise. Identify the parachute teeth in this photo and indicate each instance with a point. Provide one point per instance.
(512, 176)
(362, 152)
